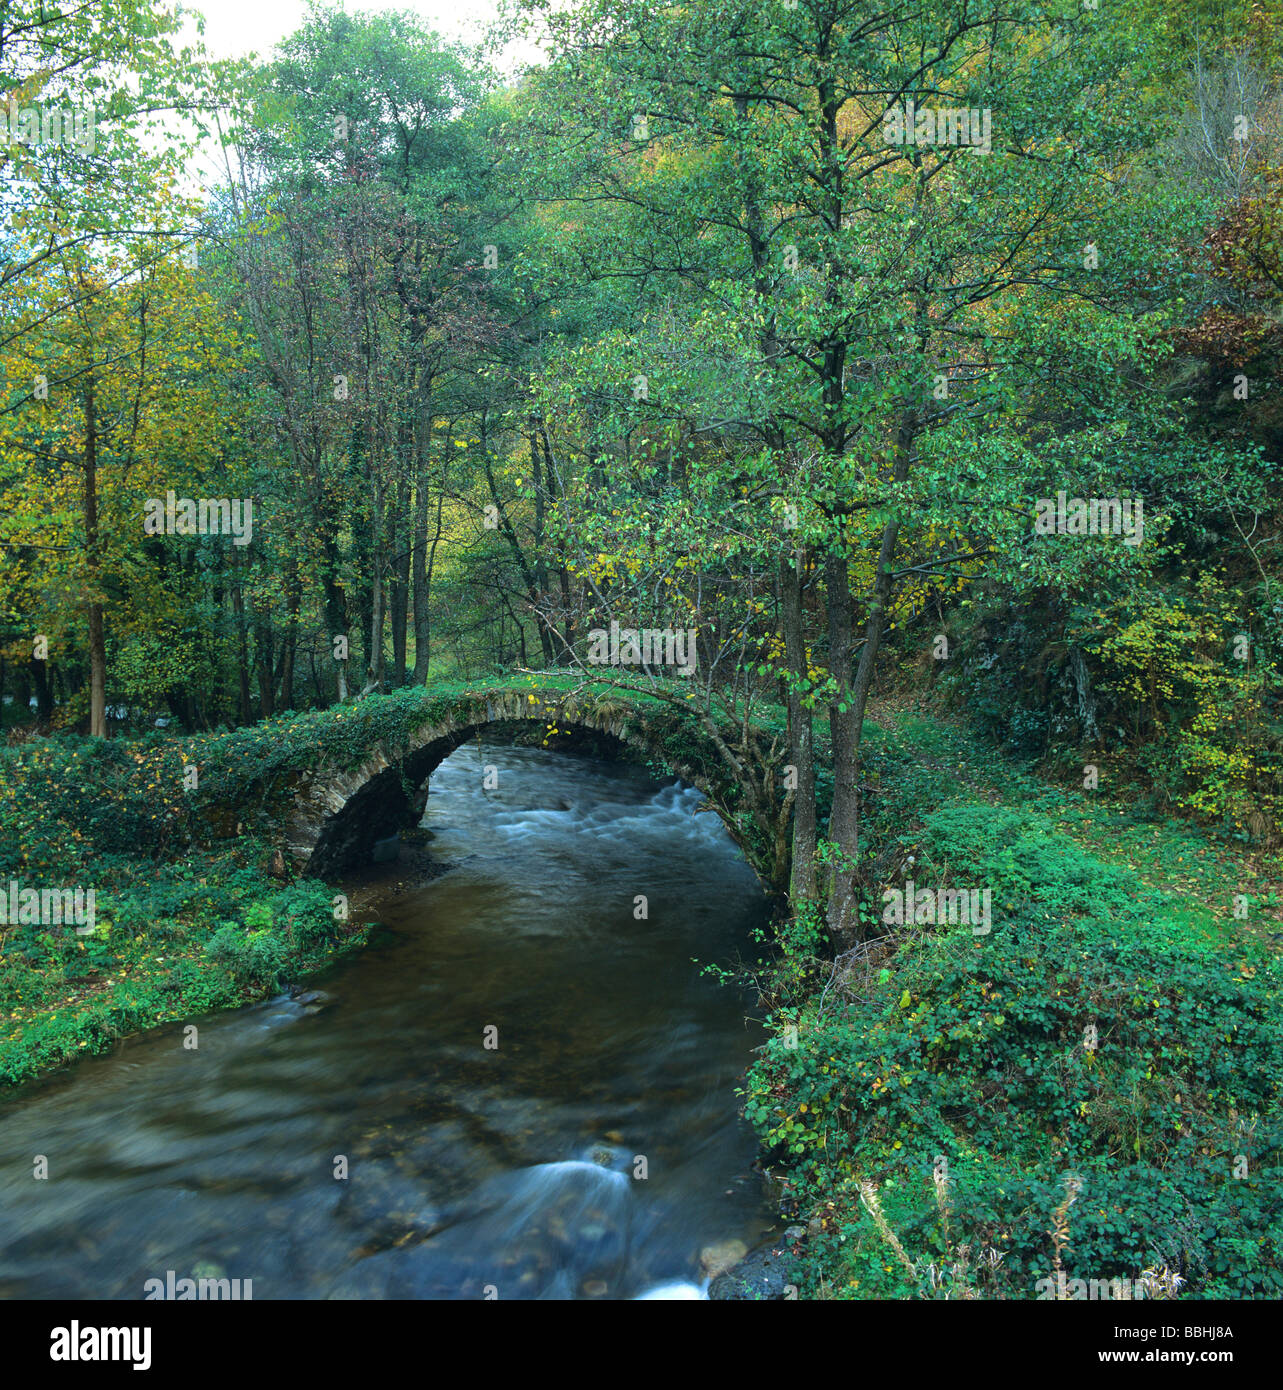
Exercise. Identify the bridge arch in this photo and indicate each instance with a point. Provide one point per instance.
(338, 812)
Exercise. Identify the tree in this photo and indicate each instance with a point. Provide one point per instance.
(881, 299)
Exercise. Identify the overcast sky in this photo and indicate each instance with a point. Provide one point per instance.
(235, 28)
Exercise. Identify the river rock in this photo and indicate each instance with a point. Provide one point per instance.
(765, 1273)
(717, 1259)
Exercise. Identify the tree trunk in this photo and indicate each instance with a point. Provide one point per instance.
(848, 726)
(285, 697)
(44, 696)
(336, 620)
(802, 882)
(564, 657)
(373, 595)
(22, 690)
(541, 567)
(882, 584)
(263, 644)
(97, 639)
(245, 713)
(420, 569)
(399, 579)
(374, 655)
(844, 727)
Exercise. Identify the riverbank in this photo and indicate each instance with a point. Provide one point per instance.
(176, 837)
(171, 941)
(1102, 1065)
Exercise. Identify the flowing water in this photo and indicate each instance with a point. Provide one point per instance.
(592, 1152)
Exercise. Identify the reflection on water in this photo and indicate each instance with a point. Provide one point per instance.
(591, 1154)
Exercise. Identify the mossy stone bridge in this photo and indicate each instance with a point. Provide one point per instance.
(325, 786)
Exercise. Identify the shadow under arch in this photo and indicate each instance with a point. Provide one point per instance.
(338, 814)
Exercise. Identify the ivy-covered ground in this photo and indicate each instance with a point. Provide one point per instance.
(1090, 1091)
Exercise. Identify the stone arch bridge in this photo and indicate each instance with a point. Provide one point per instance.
(327, 804)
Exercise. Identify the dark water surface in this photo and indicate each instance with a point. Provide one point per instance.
(512, 1168)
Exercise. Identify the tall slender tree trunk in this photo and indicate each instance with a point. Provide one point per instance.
(509, 534)
(244, 711)
(375, 591)
(564, 656)
(22, 690)
(541, 565)
(336, 606)
(846, 715)
(289, 646)
(883, 581)
(97, 638)
(803, 887)
(844, 818)
(263, 644)
(336, 612)
(399, 576)
(374, 665)
(420, 569)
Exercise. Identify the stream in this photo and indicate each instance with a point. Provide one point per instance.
(591, 1150)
